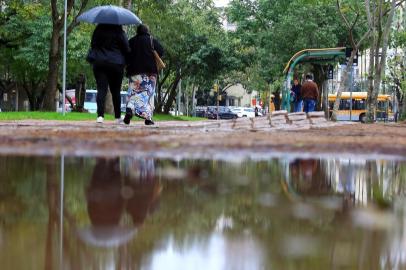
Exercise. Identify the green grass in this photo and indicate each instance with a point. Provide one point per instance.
(74, 116)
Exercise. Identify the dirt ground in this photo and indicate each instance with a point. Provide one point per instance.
(195, 138)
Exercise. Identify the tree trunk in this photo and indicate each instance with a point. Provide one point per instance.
(55, 47)
(109, 104)
(53, 70)
(80, 92)
(402, 112)
(172, 94)
(325, 100)
(370, 106)
(160, 98)
(343, 84)
(320, 78)
(380, 60)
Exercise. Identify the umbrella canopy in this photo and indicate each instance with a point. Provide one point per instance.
(109, 15)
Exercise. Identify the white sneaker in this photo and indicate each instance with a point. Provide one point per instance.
(119, 121)
(100, 120)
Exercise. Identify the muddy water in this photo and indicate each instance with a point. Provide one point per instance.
(144, 213)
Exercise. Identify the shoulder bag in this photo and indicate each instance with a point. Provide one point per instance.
(159, 63)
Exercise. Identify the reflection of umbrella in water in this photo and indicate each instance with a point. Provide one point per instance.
(107, 199)
(111, 236)
(109, 15)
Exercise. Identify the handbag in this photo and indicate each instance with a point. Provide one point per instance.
(91, 56)
(158, 61)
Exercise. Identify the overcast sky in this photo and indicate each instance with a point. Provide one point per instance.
(221, 3)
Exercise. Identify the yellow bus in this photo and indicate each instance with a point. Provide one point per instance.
(358, 112)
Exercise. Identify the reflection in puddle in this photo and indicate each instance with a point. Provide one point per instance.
(129, 213)
(111, 195)
(216, 252)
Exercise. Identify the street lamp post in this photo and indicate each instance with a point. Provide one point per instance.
(64, 59)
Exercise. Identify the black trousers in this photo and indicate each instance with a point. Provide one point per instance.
(108, 77)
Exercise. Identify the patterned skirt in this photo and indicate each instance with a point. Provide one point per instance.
(141, 93)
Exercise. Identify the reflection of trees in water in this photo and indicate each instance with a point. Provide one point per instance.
(361, 183)
(197, 193)
(191, 209)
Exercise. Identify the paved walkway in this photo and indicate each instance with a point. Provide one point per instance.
(281, 133)
(279, 120)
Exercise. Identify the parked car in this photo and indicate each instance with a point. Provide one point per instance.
(237, 111)
(224, 113)
(201, 112)
(244, 112)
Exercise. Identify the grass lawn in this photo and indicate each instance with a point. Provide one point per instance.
(74, 116)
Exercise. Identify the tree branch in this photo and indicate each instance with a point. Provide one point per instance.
(366, 35)
(397, 5)
(349, 27)
(368, 10)
(342, 15)
(74, 22)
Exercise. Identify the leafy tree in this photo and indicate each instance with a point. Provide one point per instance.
(31, 39)
(356, 11)
(273, 31)
(396, 67)
(380, 17)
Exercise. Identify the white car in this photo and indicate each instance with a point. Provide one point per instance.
(90, 101)
(91, 105)
(244, 112)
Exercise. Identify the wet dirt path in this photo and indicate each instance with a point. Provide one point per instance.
(30, 137)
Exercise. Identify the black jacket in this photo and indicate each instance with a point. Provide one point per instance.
(141, 60)
(109, 46)
(298, 92)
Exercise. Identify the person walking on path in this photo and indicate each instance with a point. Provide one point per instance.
(296, 93)
(142, 73)
(310, 94)
(109, 49)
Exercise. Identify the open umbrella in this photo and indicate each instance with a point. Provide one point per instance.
(109, 15)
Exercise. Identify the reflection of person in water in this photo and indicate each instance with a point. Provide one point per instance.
(143, 188)
(111, 192)
(309, 177)
(104, 201)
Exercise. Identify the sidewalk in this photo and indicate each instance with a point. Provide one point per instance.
(199, 138)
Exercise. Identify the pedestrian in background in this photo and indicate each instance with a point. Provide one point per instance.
(310, 94)
(142, 73)
(296, 94)
(109, 48)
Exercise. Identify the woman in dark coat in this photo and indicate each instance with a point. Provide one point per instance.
(109, 49)
(142, 73)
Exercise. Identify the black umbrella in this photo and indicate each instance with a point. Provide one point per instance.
(109, 15)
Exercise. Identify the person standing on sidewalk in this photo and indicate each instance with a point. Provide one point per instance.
(109, 49)
(296, 92)
(310, 94)
(142, 74)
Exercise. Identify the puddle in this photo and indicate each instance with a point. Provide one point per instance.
(157, 213)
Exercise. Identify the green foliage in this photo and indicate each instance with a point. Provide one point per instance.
(273, 31)
(26, 32)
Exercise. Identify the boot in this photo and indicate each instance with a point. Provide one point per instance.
(128, 116)
(149, 122)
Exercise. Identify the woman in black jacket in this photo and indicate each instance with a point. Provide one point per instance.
(109, 49)
(142, 73)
